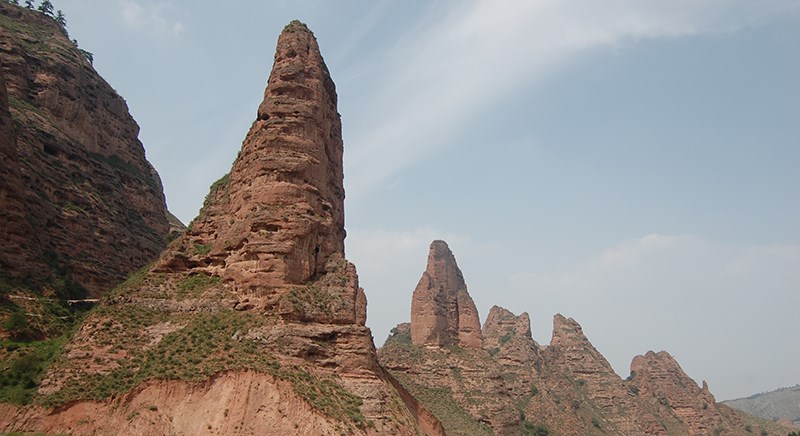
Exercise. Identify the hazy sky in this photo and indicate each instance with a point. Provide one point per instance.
(633, 164)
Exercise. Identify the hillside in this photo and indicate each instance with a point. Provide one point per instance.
(251, 322)
(778, 405)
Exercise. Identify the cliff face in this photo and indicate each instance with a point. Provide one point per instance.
(79, 200)
(256, 295)
(512, 385)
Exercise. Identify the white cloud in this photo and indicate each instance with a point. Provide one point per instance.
(445, 73)
(155, 17)
(722, 310)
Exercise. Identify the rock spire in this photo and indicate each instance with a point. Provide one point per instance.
(442, 312)
(278, 217)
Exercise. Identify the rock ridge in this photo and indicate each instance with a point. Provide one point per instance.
(512, 385)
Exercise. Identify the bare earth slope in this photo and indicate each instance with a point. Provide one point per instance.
(513, 386)
(252, 322)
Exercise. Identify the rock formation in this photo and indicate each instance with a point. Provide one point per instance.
(658, 375)
(442, 312)
(80, 203)
(512, 385)
(254, 299)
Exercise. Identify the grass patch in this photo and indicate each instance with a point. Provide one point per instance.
(507, 337)
(195, 284)
(72, 207)
(530, 429)
(440, 401)
(201, 249)
(23, 365)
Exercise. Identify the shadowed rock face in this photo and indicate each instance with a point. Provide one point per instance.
(79, 200)
(442, 312)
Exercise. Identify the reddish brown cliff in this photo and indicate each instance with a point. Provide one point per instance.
(93, 206)
(442, 312)
(255, 297)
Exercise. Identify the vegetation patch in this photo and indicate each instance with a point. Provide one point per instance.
(507, 337)
(311, 300)
(440, 401)
(22, 366)
(195, 284)
(208, 344)
(201, 249)
(72, 207)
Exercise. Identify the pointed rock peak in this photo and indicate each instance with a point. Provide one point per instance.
(501, 323)
(507, 337)
(442, 312)
(277, 220)
(440, 250)
(571, 348)
(659, 375)
(566, 329)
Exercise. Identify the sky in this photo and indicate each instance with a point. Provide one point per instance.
(632, 164)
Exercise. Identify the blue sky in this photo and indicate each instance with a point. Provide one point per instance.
(631, 164)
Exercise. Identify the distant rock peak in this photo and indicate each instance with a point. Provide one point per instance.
(442, 312)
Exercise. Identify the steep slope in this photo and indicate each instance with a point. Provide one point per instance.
(251, 322)
(514, 386)
(81, 206)
(778, 405)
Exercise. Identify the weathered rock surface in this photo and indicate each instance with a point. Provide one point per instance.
(257, 282)
(93, 206)
(442, 312)
(658, 375)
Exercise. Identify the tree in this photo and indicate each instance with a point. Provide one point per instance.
(62, 21)
(88, 55)
(46, 8)
(29, 4)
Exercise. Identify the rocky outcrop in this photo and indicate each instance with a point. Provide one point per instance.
(442, 312)
(257, 282)
(658, 375)
(571, 353)
(93, 206)
(281, 213)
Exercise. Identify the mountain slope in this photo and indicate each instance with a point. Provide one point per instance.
(251, 322)
(781, 404)
(513, 386)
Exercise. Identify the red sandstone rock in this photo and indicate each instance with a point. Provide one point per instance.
(266, 254)
(91, 202)
(659, 375)
(442, 312)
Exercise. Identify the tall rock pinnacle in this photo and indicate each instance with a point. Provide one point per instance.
(442, 312)
(277, 218)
